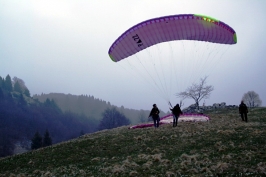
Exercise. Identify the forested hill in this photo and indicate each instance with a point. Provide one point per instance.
(91, 106)
(21, 117)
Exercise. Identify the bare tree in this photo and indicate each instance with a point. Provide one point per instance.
(252, 99)
(181, 103)
(197, 91)
(20, 82)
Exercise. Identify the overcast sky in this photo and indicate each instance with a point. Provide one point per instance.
(62, 47)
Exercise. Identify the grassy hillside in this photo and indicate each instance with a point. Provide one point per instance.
(225, 145)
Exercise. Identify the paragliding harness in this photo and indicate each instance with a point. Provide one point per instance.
(155, 114)
(243, 108)
(176, 111)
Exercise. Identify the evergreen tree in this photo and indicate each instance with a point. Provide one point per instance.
(27, 92)
(47, 102)
(8, 84)
(82, 133)
(21, 100)
(1, 82)
(9, 97)
(1, 93)
(17, 87)
(36, 141)
(52, 104)
(47, 140)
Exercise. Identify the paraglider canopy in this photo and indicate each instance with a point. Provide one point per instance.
(170, 28)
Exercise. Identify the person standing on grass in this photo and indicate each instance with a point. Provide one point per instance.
(176, 113)
(155, 115)
(243, 111)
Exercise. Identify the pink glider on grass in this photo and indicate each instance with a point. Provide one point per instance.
(182, 118)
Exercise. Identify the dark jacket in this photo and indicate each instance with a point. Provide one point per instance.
(243, 108)
(154, 112)
(176, 110)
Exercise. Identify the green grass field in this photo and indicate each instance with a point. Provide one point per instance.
(224, 146)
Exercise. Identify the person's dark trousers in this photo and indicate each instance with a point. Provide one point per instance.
(175, 117)
(156, 120)
(244, 117)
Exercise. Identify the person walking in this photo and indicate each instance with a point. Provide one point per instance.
(176, 113)
(243, 110)
(155, 115)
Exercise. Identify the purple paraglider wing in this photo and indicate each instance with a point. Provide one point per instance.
(170, 28)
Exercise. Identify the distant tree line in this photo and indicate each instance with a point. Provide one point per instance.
(93, 107)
